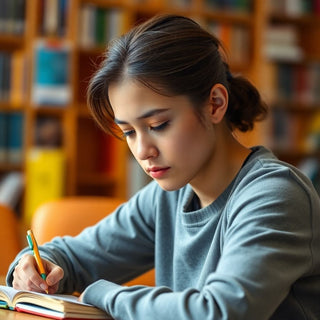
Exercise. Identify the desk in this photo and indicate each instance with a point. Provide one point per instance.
(13, 315)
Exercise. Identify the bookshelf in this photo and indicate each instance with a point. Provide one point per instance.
(96, 164)
(294, 53)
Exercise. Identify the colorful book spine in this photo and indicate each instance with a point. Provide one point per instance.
(231, 5)
(12, 78)
(3, 136)
(51, 84)
(45, 178)
(12, 16)
(5, 76)
(18, 84)
(235, 40)
(100, 25)
(15, 137)
(299, 83)
(54, 17)
(11, 137)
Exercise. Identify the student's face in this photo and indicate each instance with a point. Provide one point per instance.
(164, 134)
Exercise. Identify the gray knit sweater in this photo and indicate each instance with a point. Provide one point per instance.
(253, 254)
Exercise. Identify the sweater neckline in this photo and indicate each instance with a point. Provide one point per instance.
(199, 216)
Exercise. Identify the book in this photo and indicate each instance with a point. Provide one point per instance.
(55, 306)
(11, 189)
(18, 85)
(15, 137)
(51, 83)
(3, 136)
(12, 16)
(45, 178)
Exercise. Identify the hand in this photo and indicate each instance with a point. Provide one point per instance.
(80, 298)
(26, 275)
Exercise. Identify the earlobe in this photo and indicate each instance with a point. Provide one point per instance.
(218, 102)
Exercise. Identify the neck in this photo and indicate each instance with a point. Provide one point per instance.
(228, 158)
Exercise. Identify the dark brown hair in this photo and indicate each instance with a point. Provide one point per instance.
(173, 55)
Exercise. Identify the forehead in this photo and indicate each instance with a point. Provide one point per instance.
(132, 100)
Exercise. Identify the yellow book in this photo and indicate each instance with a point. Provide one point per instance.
(45, 178)
(55, 306)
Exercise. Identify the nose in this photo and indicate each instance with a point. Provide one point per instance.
(145, 147)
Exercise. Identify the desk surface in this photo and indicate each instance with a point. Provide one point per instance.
(13, 315)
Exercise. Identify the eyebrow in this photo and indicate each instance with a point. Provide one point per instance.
(148, 114)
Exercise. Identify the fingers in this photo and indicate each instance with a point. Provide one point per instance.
(27, 277)
(54, 275)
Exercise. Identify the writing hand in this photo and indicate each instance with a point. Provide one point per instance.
(26, 275)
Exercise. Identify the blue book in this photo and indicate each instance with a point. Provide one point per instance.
(51, 84)
(15, 137)
(3, 136)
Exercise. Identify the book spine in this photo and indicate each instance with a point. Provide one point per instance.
(87, 18)
(51, 85)
(100, 27)
(6, 76)
(15, 137)
(12, 16)
(62, 16)
(50, 17)
(3, 136)
(299, 83)
(45, 178)
(18, 79)
(19, 16)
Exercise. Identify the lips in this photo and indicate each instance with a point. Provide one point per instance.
(157, 172)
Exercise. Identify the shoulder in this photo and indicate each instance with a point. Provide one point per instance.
(264, 169)
(266, 184)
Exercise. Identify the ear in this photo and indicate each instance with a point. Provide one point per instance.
(218, 102)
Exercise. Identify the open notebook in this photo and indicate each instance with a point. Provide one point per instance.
(53, 306)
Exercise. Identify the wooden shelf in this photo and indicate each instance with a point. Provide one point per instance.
(8, 41)
(305, 19)
(296, 107)
(83, 140)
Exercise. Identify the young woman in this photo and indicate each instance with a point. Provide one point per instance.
(232, 232)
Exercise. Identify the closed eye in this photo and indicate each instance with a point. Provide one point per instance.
(128, 133)
(160, 127)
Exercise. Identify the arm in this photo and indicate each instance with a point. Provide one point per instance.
(265, 249)
(118, 248)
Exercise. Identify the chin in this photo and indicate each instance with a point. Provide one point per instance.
(169, 186)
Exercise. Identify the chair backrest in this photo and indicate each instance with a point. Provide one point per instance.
(9, 238)
(70, 215)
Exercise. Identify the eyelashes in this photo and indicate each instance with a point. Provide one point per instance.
(127, 133)
(160, 127)
(157, 128)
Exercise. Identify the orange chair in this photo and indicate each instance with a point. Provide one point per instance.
(9, 238)
(69, 216)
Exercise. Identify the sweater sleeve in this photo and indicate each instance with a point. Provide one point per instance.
(118, 248)
(266, 247)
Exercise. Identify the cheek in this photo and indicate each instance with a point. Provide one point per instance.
(189, 143)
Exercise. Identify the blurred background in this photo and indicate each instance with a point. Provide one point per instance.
(49, 145)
